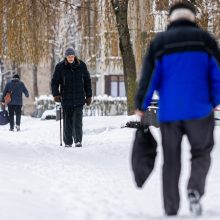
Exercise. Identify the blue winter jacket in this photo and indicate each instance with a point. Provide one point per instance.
(182, 65)
(17, 87)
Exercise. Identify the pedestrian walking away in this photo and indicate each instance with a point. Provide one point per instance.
(71, 85)
(15, 87)
(182, 65)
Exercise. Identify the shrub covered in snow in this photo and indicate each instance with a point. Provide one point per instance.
(43, 103)
(106, 105)
(100, 106)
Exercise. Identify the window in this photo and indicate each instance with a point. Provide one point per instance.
(122, 92)
(94, 82)
(115, 86)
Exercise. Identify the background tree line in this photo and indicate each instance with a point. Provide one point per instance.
(32, 30)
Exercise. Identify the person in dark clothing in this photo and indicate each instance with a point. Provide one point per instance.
(182, 65)
(71, 85)
(17, 88)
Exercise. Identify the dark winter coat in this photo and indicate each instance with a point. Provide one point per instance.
(182, 64)
(17, 87)
(72, 82)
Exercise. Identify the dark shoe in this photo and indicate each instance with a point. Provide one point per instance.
(11, 129)
(18, 127)
(194, 202)
(171, 213)
(78, 144)
(68, 145)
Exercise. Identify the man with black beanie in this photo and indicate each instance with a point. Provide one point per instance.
(71, 85)
(182, 65)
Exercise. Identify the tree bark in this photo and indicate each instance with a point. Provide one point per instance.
(35, 86)
(35, 50)
(120, 8)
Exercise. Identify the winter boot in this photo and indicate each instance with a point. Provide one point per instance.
(68, 145)
(18, 127)
(78, 144)
(194, 202)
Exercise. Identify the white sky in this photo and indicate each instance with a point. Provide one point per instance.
(39, 180)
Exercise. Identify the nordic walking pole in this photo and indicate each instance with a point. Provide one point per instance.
(60, 127)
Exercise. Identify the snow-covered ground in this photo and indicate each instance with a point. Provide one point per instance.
(40, 180)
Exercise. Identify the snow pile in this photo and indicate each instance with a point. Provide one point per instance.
(42, 180)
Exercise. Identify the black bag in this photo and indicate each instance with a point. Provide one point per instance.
(4, 118)
(143, 155)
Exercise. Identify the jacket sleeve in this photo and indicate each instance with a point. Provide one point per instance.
(56, 81)
(25, 91)
(215, 81)
(87, 81)
(154, 84)
(146, 74)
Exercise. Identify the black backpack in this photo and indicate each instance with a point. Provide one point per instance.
(4, 118)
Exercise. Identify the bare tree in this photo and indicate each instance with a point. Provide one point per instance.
(120, 8)
(25, 28)
(64, 30)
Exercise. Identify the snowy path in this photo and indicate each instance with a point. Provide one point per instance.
(41, 180)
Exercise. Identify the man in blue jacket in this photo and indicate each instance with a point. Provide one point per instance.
(182, 65)
(17, 88)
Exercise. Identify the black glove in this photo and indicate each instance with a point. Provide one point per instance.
(88, 100)
(57, 98)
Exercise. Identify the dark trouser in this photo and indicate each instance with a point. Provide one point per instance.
(72, 125)
(200, 136)
(14, 109)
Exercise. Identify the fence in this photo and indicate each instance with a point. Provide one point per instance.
(100, 106)
(106, 105)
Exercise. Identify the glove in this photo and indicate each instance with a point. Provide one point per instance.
(88, 100)
(57, 98)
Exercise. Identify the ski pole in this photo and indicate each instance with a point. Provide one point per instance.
(60, 127)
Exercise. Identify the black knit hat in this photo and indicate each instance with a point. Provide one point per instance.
(70, 51)
(16, 76)
(182, 5)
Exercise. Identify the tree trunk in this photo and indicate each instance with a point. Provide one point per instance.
(35, 86)
(35, 50)
(120, 8)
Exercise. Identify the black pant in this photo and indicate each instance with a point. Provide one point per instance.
(72, 125)
(14, 109)
(200, 136)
